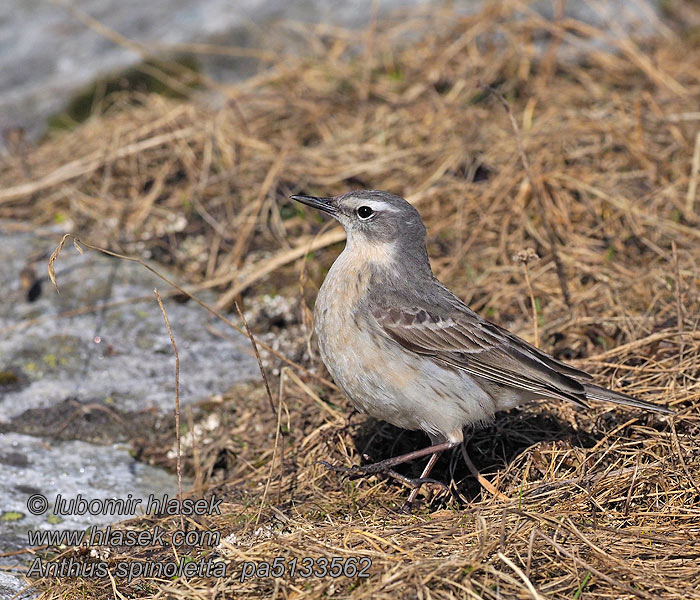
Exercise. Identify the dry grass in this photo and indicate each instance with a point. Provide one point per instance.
(604, 503)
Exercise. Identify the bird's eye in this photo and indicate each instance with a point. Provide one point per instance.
(364, 212)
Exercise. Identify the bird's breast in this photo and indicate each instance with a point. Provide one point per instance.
(335, 313)
(346, 285)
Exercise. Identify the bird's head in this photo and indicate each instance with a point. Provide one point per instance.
(373, 216)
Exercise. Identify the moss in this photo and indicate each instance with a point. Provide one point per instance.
(8, 378)
(11, 515)
(144, 78)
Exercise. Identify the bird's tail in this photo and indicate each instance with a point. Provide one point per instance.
(595, 392)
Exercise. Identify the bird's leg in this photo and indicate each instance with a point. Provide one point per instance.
(414, 492)
(385, 465)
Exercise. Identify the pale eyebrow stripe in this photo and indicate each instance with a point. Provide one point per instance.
(374, 205)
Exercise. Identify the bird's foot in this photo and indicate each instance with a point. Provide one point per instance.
(353, 472)
(382, 467)
(359, 470)
(407, 507)
(374, 468)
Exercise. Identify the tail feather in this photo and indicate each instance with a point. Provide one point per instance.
(595, 392)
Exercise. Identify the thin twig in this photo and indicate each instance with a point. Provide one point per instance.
(535, 594)
(693, 183)
(117, 594)
(278, 428)
(485, 483)
(533, 304)
(195, 454)
(679, 306)
(177, 404)
(525, 257)
(257, 356)
(679, 310)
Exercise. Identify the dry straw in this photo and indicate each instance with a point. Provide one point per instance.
(602, 503)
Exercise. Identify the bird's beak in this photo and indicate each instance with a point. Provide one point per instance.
(324, 204)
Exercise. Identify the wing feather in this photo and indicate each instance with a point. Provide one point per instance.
(483, 349)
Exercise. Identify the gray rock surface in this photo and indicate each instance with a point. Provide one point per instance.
(120, 355)
(117, 359)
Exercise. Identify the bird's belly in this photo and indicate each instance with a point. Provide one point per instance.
(388, 382)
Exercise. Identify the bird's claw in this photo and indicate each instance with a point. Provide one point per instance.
(375, 468)
(407, 507)
(354, 470)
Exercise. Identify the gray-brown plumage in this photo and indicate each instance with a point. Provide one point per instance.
(405, 349)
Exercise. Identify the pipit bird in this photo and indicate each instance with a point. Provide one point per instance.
(403, 348)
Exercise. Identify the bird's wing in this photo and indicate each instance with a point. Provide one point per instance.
(465, 341)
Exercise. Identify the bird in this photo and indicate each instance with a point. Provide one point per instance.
(404, 349)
